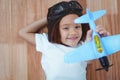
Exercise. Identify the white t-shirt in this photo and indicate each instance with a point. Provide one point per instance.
(53, 61)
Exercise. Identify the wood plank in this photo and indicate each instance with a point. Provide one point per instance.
(5, 62)
(34, 67)
(5, 8)
(5, 56)
(19, 62)
(18, 46)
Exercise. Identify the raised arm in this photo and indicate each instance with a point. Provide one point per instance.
(28, 32)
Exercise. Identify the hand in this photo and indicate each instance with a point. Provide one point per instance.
(100, 29)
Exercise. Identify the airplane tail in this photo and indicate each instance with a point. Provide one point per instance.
(90, 16)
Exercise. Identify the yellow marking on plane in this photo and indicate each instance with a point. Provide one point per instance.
(98, 44)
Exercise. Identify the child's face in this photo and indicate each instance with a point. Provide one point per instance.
(70, 32)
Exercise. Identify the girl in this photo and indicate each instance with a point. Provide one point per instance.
(63, 36)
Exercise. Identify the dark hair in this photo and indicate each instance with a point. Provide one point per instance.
(56, 13)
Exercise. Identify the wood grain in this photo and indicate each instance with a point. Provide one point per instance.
(20, 61)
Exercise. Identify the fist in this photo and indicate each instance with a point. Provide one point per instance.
(99, 29)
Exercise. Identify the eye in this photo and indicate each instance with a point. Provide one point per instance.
(77, 27)
(66, 28)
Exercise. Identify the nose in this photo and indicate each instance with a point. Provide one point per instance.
(73, 31)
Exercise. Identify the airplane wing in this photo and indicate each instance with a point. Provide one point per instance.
(86, 19)
(86, 51)
(98, 14)
(82, 19)
(82, 53)
(111, 44)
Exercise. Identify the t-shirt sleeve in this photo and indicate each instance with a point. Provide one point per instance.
(40, 40)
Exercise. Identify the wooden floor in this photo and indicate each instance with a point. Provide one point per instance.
(20, 61)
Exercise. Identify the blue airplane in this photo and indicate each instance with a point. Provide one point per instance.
(98, 47)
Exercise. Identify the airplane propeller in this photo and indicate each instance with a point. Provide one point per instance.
(105, 63)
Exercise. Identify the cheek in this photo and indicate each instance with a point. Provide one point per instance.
(63, 35)
(80, 32)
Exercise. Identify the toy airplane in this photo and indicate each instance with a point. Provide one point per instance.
(98, 47)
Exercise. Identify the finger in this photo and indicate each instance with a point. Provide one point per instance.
(98, 29)
(99, 26)
(89, 35)
(104, 33)
(108, 34)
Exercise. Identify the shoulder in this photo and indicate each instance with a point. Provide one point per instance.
(41, 41)
(43, 35)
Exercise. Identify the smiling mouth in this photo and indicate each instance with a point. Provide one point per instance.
(73, 38)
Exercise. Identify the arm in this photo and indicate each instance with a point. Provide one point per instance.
(28, 33)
